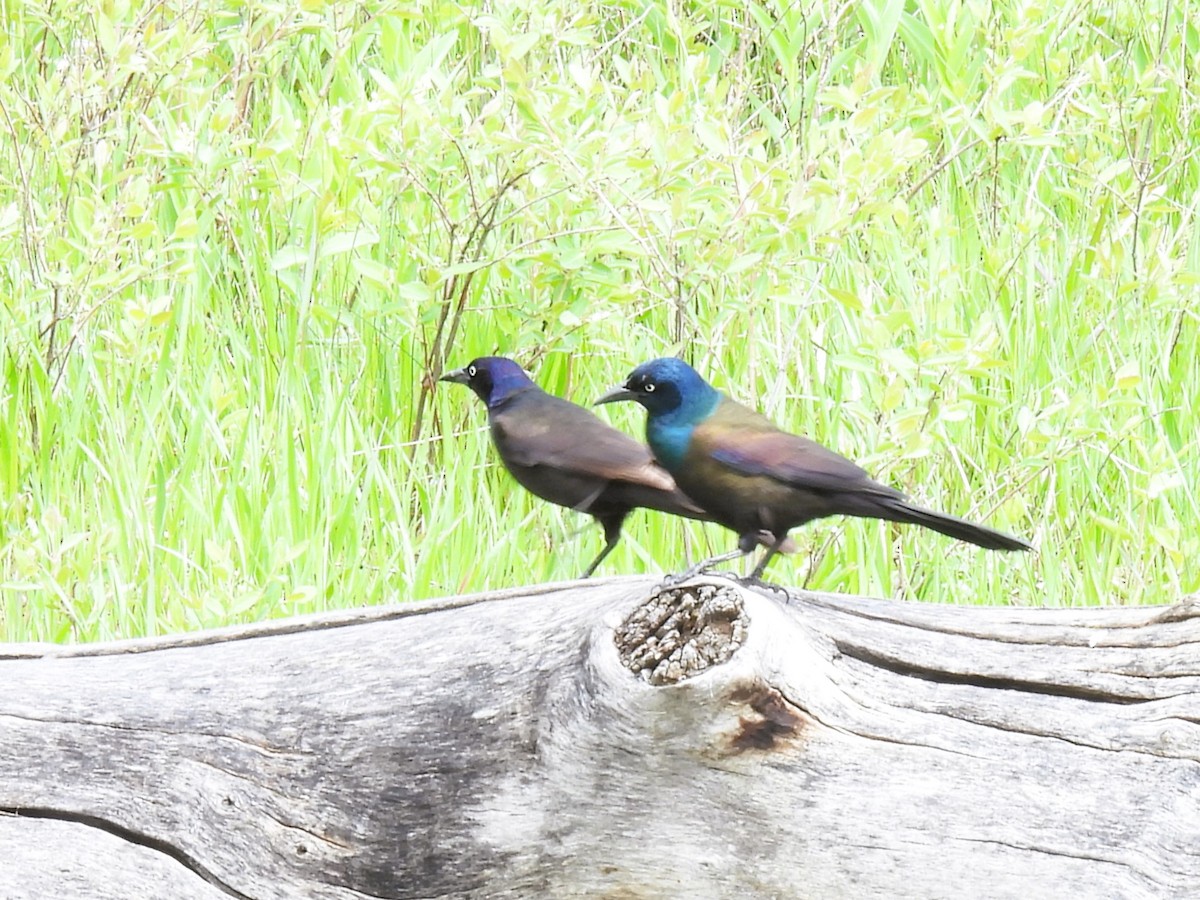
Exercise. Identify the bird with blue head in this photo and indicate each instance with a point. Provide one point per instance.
(750, 476)
(564, 453)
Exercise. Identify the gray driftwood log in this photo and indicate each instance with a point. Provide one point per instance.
(594, 740)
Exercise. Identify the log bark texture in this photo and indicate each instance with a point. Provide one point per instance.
(606, 739)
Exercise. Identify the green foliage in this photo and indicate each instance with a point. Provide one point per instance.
(953, 240)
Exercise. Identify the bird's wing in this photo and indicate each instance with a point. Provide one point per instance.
(544, 430)
(748, 443)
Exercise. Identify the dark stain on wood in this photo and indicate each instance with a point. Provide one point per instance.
(775, 722)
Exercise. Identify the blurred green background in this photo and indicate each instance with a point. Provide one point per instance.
(955, 241)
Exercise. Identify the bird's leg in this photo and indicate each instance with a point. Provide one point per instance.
(612, 534)
(699, 568)
(756, 575)
(746, 544)
(713, 561)
(608, 548)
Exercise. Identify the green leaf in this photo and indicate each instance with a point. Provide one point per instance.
(345, 241)
(288, 257)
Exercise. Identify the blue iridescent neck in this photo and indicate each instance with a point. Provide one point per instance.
(507, 379)
(669, 432)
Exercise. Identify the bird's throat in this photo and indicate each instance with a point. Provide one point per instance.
(669, 442)
(669, 434)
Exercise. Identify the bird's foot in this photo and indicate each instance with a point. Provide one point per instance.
(763, 586)
(701, 568)
(675, 580)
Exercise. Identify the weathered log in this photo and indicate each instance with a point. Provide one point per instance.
(605, 739)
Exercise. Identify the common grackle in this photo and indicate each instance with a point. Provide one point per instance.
(750, 476)
(563, 453)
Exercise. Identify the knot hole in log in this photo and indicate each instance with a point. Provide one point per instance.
(681, 632)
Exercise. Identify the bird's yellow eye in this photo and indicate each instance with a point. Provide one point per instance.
(472, 371)
(649, 387)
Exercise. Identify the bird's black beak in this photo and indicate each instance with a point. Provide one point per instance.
(617, 394)
(458, 376)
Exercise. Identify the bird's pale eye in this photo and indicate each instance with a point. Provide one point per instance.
(472, 371)
(650, 387)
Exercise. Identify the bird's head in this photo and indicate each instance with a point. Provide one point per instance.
(669, 389)
(492, 378)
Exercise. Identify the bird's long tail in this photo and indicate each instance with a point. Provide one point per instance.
(951, 526)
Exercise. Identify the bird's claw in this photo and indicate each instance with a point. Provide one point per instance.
(678, 578)
(763, 586)
(704, 567)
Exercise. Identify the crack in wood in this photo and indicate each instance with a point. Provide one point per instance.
(125, 833)
(1054, 851)
(257, 746)
(1084, 745)
(1191, 720)
(777, 712)
(264, 785)
(1184, 610)
(988, 682)
(1150, 676)
(316, 835)
(900, 742)
(1060, 633)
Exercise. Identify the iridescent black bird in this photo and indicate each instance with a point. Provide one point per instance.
(750, 476)
(563, 453)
